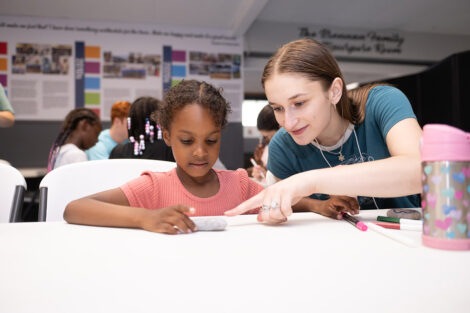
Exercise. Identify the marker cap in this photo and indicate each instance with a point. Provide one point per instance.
(361, 226)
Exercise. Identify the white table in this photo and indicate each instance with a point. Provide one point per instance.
(311, 264)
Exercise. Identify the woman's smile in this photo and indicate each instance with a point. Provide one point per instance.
(299, 131)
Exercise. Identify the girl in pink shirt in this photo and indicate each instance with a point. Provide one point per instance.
(191, 116)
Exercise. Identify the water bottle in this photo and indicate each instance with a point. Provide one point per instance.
(445, 200)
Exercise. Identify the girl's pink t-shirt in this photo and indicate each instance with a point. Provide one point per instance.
(155, 190)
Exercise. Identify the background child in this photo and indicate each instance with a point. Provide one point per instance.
(79, 132)
(144, 140)
(267, 126)
(192, 116)
(116, 134)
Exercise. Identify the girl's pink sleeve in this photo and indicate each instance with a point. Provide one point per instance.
(141, 192)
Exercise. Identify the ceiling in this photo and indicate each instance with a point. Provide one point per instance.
(450, 17)
(429, 16)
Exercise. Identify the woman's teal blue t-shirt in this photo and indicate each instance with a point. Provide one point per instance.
(385, 107)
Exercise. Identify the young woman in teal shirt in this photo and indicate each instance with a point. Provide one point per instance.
(363, 144)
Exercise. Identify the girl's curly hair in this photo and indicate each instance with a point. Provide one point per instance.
(188, 92)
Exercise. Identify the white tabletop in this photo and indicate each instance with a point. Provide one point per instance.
(310, 264)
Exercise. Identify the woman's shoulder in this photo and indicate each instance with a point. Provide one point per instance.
(385, 98)
(386, 106)
(385, 92)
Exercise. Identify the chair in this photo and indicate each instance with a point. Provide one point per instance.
(77, 180)
(12, 188)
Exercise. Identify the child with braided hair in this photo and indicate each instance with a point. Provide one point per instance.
(145, 136)
(79, 132)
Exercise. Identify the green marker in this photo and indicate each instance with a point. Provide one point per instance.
(388, 219)
(399, 220)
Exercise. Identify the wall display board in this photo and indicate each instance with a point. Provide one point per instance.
(50, 66)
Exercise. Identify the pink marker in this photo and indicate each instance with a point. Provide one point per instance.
(354, 221)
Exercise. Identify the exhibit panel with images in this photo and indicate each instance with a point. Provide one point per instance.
(93, 64)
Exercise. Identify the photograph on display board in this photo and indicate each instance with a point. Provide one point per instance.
(224, 58)
(41, 59)
(198, 69)
(196, 56)
(199, 62)
(216, 66)
(132, 65)
(222, 69)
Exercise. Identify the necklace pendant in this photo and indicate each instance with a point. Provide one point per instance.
(341, 157)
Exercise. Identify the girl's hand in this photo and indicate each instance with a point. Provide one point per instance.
(335, 205)
(170, 220)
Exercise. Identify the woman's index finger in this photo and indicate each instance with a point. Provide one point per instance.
(252, 203)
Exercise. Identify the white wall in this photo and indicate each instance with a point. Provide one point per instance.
(412, 50)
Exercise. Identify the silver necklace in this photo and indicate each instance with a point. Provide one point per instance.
(340, 153)
(360, 153)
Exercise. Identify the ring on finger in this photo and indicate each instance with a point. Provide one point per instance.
(265, 207)
(275, 205)
(178, 229)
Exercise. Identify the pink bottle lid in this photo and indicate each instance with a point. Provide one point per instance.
(444, 143)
